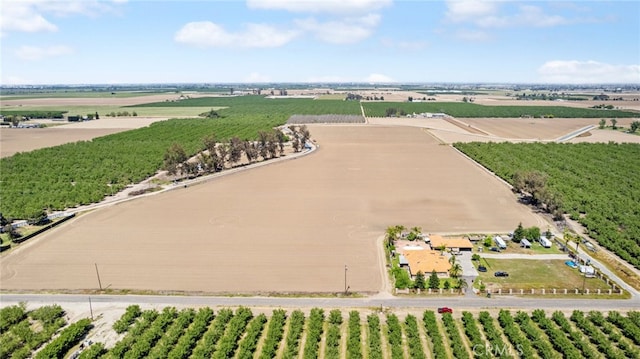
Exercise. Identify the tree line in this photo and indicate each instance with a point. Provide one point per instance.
(217, 155)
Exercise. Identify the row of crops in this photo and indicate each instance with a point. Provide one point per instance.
(461, 109)
(379, 109)
(597, 184)
(239, 333)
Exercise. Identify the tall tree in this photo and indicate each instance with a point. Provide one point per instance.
(518, 234)
(235, 150)
(461, 284)
(634, 126)
(250, 151)
(532, 183)
(223, 153)
(532, 233)
(210, 143)
(602, 123)
(419, 282)
(434, 281)
(173, 158)
(455, 271)
(614, 122)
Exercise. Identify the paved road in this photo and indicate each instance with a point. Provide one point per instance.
(458, 302)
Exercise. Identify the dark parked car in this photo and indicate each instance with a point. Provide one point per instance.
(482, 269)
(501, 274)
(494, 249)
(445, 310)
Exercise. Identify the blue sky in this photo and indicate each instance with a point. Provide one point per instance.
(377, 41)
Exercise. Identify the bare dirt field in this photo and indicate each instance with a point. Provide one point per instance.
(94, 101)
(509, 129)
(288, 227)
(13, 140)
(539, 129)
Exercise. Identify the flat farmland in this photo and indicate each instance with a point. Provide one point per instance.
(13, 140)
(288, 227)
(532, 128)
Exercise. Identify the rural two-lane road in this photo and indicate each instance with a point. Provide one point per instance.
(458, 302)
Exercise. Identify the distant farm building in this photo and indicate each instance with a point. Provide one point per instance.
(451, 244)
(427, 261)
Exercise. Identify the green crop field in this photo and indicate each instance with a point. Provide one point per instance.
(261, 105)
(597, 184)
(225, 333)
(461, 109)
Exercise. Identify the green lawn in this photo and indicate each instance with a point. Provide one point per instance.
(537, 274)
(536, 248)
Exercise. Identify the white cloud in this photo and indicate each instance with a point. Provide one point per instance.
(465, 10)
(33, 15)
(573, 71)
(378, 78)
(209, 34)
(527, 16)
(21, 16)
(33, 53)
(321, 6)
(343, 31)
(490, 14)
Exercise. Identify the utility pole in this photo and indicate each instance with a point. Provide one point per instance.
(98, 274)
(345, 279)
(90, 308)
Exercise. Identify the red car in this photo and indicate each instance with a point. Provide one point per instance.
(445, 310)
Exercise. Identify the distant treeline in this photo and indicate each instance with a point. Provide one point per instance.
(31, 114)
